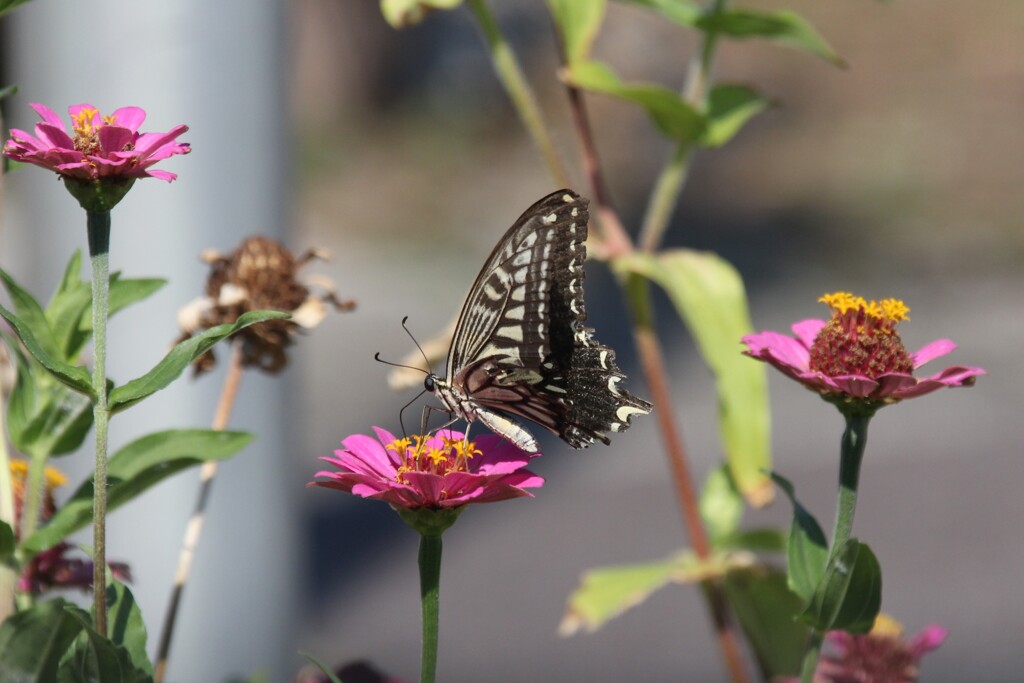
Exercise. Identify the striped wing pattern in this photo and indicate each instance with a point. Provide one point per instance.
(520, 348)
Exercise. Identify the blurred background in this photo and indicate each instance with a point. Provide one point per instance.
(315, 122)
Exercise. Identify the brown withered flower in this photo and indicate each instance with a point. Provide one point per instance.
(261, 274)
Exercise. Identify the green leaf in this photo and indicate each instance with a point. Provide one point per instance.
(767, 612)
(317, 663)
(721, 506)
(175, 362)
(31, 314)
(729, 109)
(124, 293)
(125, 623)
(67, 307)
(8, 90)
(97, 659)
(783, 27)
(7, 542)
(74, 376)
(405, 13)
(754, 540)
(673, 116)
(607, 592)
(807, 551)
(708, 295)
(850, 593)
(44, 417)
(681, 12)
(7, 6)
(33, 641)
(132, 470)
(578, 22)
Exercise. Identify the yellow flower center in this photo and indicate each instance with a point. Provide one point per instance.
(886, 627)
(452, 455)
(861, 337)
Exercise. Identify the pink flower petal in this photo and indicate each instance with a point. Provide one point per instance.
(129, 117)
(54, 136)
(47, 114)
(936, 349)
(807, 330)
(857, 386)
(114, 138)
(786, 352)
(928, 640)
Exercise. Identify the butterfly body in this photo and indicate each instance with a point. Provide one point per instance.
(520, 348)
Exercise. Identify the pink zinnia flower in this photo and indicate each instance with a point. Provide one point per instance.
(881, 656)
(857, 355)
(436, 472)
(100, 147)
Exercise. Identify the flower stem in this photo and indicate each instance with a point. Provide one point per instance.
(98, 227)
(34, 485)
(8, 577)
(672, 179)
(430, 584)
(851, 454)
(517, 87)
(195, 524)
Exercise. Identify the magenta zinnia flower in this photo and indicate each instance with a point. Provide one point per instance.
(435, 472)
(881, 656)
(857, 356)
(102, 147)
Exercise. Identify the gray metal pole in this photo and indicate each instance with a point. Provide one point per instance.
(216, 66)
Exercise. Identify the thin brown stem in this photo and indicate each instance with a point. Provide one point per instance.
(195, 524)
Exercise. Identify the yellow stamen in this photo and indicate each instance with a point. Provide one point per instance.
(54, 477)
(887, 311)
(886, 627)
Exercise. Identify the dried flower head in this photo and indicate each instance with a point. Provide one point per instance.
(260, 274)
(52, 479)
(881, 655)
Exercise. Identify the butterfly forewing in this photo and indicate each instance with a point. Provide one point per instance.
(520, 347)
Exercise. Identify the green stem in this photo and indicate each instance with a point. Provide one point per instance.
(8, 576)
(430, 583)
(98, 225)
(34, 486)
(851, 454)
(672, 178)
(518, 89)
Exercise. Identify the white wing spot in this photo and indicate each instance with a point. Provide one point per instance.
(616, 426)
(624, 412)
(575, 212)
(612, 382)
(604, 360)
(513, 332)
(518, 294)
(557, 390)
(567, 198)
(549, 219)
(515, 313)
(491, 292)
(519, 276)
(530, 239)
(521, 259)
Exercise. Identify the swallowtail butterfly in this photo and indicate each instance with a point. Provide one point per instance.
(520, 348)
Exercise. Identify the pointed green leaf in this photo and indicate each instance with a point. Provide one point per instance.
(175, 362)
(578, 22)
(133, 469)
(31, 315)
(721, 506)
(317, 663)
(405, 13)
(709, 296)
(754, 540)
(850, 593)
(673, 116)
(729, 109)
(8, 90)
(97, 659)
(767, 612)
(783, 27)
(807, 551)
(73, 376)
(33, 641)
(683, 12)
(67, 307)
(7, 543)
(7, 6)
(125, 623)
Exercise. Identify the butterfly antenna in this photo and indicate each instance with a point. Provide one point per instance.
(377, 358)
(405, 327)
(401, 412)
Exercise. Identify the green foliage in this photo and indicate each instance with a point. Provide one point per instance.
(405, 13)
(5, 7)
(134, 469)
(709, 296)
(96, 659)
(673, 116)
(683, 12)
(74, 376)
(33, 641)
(7, 543)
(783, 27)
(578, 22)
(179, 358)
(767, 611)
(808, 549)
(729, 109)
(721, 505)
(849, 595)
(317, 663)
(125, 623)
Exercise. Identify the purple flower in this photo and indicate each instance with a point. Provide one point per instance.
(881, 656)
(434, 472)
(100, 147)
(52, 569)
(857, 355)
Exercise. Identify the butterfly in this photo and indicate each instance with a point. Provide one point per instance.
(520, 349)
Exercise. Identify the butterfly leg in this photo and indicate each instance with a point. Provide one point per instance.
(425, 418)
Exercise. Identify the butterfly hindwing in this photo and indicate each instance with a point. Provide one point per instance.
(520, 347)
